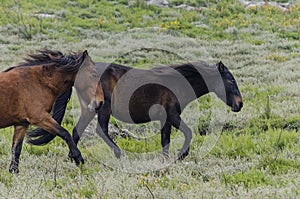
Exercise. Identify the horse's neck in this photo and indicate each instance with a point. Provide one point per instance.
(204, 79)
(198, 84)
(59, 82)
(117, 71)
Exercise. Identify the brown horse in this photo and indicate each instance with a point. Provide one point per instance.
(29, 90)
(139, 96)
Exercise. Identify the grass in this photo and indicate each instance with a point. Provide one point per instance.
(256, 155)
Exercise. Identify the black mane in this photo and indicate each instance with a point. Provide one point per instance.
(195, 68)
(190, 69)
(70, 63)
(187, 69)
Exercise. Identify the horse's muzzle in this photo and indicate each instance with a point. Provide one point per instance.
(237, 105)
(94, 106)
(237, 108)
(99, 106)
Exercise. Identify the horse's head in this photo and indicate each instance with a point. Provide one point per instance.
(233, 96)
(88, 85)
(97, 99)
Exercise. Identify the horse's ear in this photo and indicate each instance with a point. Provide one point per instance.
(221, 67)
(85, 53)
(54, 55)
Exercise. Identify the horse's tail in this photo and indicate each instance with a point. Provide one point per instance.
(40, 136)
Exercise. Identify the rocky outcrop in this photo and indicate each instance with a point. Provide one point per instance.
(285, 7)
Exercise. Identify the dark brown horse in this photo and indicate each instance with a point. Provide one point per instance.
(29, 90)
(139, 96)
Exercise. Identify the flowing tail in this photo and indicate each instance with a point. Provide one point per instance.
(40, 136)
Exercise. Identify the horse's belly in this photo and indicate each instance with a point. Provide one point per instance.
(7, 121)
(141, 105)
(138, 112)
(129, 117)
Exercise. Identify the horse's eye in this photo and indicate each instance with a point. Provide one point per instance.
(231, 81)
(94, 75)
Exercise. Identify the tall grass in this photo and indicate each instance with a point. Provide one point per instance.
(258, 152)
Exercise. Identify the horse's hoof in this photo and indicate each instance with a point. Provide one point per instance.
(183, 155)
(77, 158)
(13, 169)
(166, 154)
(165, 158)
(70, 157)
(117, 153)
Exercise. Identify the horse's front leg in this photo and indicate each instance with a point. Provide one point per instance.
(84, 120)
(177, 122)
(50, 125)
(19, 134)
(102, 128)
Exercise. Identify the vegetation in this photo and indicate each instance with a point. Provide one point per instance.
(257, 153)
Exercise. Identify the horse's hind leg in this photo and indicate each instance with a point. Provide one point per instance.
(19, 134)
(102, 128)
(50, 125)
(177, 122)
(165, 138)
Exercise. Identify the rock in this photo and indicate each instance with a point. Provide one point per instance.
(163, 3)
(44, 15)
(186, 7)
(285, 7)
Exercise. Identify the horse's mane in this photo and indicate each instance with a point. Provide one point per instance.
(70, 63)
(188, 69)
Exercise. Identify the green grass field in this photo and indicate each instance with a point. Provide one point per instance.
(257, 154)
